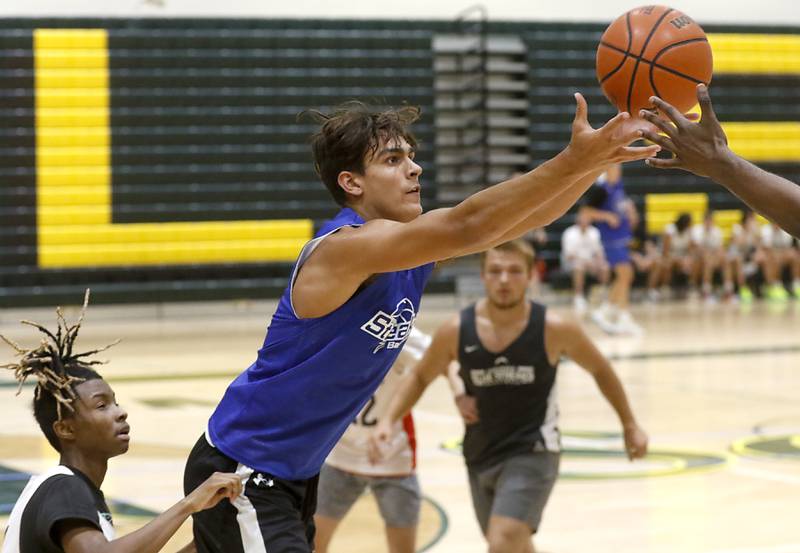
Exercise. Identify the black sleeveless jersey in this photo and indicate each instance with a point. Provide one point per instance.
(515, 390)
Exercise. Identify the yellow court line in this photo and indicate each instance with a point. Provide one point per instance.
(73, 167)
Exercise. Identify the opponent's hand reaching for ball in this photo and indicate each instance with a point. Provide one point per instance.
(611, 143)
(697, 147)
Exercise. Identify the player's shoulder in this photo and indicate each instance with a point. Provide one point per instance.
(556, 324)
(59, 489)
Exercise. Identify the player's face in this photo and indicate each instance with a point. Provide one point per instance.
(391, 182)
(506, 277)
(99, 422)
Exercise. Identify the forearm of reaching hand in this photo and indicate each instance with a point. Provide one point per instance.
(773, 196)
(406, 397)
(552, 209)
(435, 361)
(526, 202)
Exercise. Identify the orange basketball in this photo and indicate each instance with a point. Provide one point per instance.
(653, 51)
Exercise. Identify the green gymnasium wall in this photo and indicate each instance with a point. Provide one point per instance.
(161, 159)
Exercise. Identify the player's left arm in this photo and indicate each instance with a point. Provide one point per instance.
(549, 211)
(563, 337)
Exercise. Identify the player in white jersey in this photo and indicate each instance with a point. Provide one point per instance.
(707, 244)
(581, 253)
(745, 253)
(676, 252)
(780, 251)
(348, 470)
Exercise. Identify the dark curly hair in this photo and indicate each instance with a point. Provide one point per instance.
(351, 134)
(57, 370)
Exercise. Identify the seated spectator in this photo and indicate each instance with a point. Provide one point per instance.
(582, 253)
(745, 253)
(707, 245)
(780, 253)
(676, 254)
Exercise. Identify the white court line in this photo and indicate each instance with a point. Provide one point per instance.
(767, 475)
(784, 548)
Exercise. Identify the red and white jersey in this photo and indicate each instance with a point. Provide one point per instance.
(399, 457)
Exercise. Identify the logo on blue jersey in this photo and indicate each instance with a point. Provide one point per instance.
(392, 330)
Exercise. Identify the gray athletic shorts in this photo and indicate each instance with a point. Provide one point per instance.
(398, 497)
(517, 488)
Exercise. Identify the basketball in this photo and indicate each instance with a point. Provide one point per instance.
(653, 51)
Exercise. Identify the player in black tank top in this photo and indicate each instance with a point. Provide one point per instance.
(507, 398)
(515, 384)
(64, 509)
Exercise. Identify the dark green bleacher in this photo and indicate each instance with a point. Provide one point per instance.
(204, 122)
(204, 128)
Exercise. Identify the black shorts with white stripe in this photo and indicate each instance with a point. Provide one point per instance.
(271, 515)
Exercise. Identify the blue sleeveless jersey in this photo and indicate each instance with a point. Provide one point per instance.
(284, 414)
(614, 202)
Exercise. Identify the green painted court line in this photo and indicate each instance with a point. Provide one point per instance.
(444, 524)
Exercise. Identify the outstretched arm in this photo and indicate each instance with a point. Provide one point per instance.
(702, 148)
(569, 338)
(79, 537)
(324, 283)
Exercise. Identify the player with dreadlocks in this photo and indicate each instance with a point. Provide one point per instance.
(63, 510)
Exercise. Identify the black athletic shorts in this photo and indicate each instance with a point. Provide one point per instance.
(271, 515)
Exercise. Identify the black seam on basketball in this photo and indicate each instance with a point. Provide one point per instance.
(670, 70)
(638, 61)
(627, 51)
(658, 65)
(654, 64)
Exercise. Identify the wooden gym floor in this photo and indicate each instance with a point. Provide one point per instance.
(717, 388)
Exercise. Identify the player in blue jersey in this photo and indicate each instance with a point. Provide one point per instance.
(615, 216)
(350, 303)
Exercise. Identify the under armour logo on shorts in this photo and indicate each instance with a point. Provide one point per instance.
(259, 479)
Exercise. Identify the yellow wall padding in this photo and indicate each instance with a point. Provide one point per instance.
(755, 53)
(74, 177)
(663, 209)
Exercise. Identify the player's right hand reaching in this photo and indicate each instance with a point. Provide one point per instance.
(598, 148)
(217, 487)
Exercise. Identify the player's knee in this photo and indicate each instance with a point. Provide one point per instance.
(506, 539)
